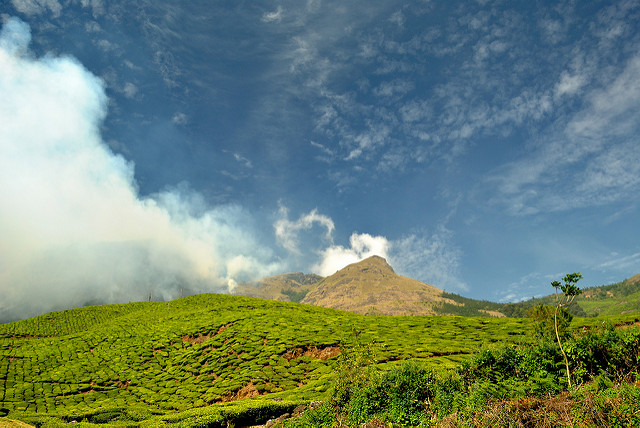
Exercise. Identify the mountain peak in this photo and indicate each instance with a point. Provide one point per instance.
(373, 264)
(371, 286)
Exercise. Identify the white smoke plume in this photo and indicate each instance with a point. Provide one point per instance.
(73, 228)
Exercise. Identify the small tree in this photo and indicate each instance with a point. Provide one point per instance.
(543, 317)
(569, 292)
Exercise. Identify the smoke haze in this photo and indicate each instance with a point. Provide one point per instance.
(74, 229)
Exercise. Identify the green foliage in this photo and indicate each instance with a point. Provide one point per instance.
(543, 321)
(468, 307)
(178, 362)
(502, 385)
(355, 368)
(510, 372)
(320, 417)
(613, 353)
(166, 358)
(569, 291)
(408, 394)
(399, 396)
(605, 404)
(568, 287)
(519, 310)
(295, 296)
(613, 299)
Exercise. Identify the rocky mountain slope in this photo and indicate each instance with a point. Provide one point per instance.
(372, 287)
(287, 287)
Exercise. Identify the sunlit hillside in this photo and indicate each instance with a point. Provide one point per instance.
(207, 351)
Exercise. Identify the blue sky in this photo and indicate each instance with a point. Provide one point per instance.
(484, 147)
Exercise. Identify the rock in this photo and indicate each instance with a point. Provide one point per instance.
(299, 410)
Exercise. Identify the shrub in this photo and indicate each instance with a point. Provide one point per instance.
(615, 352)
(354, 370)
(320, 417)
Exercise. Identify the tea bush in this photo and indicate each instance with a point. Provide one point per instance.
(197, 353)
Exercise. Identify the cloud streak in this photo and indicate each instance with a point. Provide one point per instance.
(592, 160)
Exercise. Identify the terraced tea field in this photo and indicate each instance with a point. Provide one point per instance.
(148, 362)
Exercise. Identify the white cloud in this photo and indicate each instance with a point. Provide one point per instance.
(416, 111)
(15, 37)
(37, 7)
(397, 18)
(275, 16)
(569, 84)
(241, 159)
(376, 134)
(327, 151)
(362, 246)
(97, 6)
(287, 231)
(612, 109)
(130, 90)
(553, 30)
(625, 263)
(393, 88)
(180, 119)
(531, 285)
(434, 258)
(74, 229)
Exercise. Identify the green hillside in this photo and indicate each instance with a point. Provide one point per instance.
(613, 299)
(163, 358)
(209, 357)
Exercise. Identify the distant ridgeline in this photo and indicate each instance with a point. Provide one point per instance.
(371, 287)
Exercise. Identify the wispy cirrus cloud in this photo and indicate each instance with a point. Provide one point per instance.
(619, 262)
(37, 7)
(470, 98)
(433, 258)
(591, 160)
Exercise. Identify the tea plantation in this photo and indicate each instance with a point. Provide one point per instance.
(206, 359)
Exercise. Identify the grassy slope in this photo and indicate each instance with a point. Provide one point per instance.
(287, 287)
(613, 299)
(203, 349)
(160, 359)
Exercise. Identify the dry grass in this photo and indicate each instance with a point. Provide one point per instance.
(10, 423)
(581, 410)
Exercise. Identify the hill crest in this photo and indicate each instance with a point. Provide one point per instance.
(372, 287)
(288, 287)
